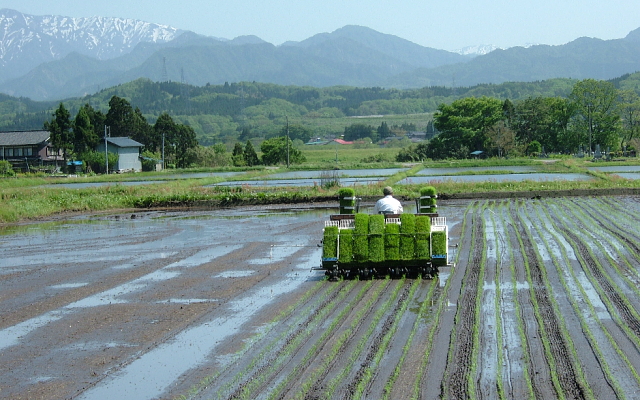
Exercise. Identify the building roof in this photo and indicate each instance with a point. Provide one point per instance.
(23, 138)
(124, 142)
(340, 141)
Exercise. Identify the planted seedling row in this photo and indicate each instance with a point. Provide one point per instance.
(566, 371)
(328, 334)
(460, 359)
(598, 336)
(279, 351)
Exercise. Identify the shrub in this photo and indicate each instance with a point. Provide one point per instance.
(6, 168)
(423, 233)
(330, 242)
(376, 238)
(346, 246)
(361, 238)
(347, 200)
(407, 236)
(392, 242)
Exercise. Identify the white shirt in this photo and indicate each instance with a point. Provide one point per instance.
(388, 204)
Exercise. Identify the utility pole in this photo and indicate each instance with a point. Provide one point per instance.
(163, 150)
(287, 140)
(590, 129)
(106, 152)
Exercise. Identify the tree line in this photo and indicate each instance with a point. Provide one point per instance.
(77, 138)
(595, 113)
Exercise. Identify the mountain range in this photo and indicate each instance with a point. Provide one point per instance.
(53, 57)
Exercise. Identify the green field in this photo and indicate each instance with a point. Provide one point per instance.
(33, 196)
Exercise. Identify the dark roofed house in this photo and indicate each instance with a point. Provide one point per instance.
(128, 151)
(28, 149)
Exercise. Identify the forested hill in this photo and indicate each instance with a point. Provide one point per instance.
(223, 111)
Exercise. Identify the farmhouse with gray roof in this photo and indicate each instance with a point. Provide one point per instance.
(28, 149)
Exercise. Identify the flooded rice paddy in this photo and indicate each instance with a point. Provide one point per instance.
(542, 302)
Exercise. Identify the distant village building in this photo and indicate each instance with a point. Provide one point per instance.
(417, 136)
(128, 151)
(26, 150)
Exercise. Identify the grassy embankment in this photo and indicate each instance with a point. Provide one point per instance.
(28, 197)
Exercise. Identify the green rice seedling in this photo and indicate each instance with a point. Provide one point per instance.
(392, 242)
(428, 205)
(330, 242)
(346, 246)
(361, 238)
(347, 200)
(423, 233)
(439, 243)
(407, 236)
(376, 238)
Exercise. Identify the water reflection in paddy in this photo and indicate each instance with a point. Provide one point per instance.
(540, 177)
(341, 173)
(616, 168)
(298, 182)
(456, 170)
(628, 175)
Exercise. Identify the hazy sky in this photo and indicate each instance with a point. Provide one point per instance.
(443, 24)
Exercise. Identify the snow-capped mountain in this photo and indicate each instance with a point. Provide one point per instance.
(482, 49)
(30, 40)
(477, 50)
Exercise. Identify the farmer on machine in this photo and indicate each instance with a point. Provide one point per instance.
(388, 204)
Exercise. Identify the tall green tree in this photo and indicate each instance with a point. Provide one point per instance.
(542, 119)
(597, 117)
(238, 155)
(463, 126)
(96, 119)
(183, 142)
(120, 117)
(384, 131)
(630, 114)
(165, 129)
(274, 151)
(250, 155)
(502, 138)
(60, 128)
(296, 131)
(360, 131)
(85, 137)
(143, 132)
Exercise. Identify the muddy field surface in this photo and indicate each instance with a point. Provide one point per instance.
(543, 302)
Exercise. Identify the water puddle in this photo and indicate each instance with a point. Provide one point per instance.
(92, 346)
(12, 335)
(491, 286)
(187, 301)
(277, 253)
(69, 285)
(235, 274)
(443, 276)
(489, 354)
(593, 296)
(148, 376)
